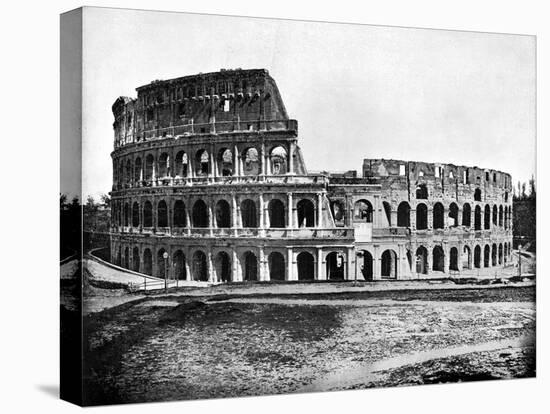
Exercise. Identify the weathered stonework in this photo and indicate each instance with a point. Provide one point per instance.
(207, 169)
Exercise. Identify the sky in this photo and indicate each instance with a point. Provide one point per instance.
(357, 91)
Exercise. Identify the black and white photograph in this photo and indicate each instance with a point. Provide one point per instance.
(264, 206)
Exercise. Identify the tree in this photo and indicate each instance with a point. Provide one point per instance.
(105, 200)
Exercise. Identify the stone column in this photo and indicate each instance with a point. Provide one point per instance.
(446, 257)
(376, 269)
(291, 158)
(264, 275)
(235, 161)
(319, 210)
(350, 262)
(187, 269)
(234, 216)
(262, 213)
(262, 159)
(235, 267)
(290, 210)
(321, 275)
(290, 264)
(210, 216)
(211, 275)
(187, 218)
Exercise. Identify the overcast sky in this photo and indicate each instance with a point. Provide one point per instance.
(357, 91)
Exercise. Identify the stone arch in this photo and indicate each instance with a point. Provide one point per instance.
(477, 194)
(477, 256)
(421, 192)
(179, 214)
(164, 165)
(222, 263)
(438, 259)
(477, 218)
(500, 254)
(338, 210)
(486, 256)
(306, 266)
(251, 161)
(453, 215)
(500, 216)
(335, 266)
(135, 214)
(129, 171)
(225, 162)
(387, 210)
(181, 164)
(467, 258)
(453, 259)
(162, 264)
(137, 169)
(200, 268)
(278, 158)
(367, 266)
(148, 262)
(249, 215)
(127, 257)
(487, 217)
(421, 216)
(147, 214)
(306, 213)
(276, 262)
(404, 214)
(389, 264)
(249, 266)
(178, 260)
(126, 214)
(362, 211)
(466, 215)
(494, 255)
(495, 215)
(200, 214)
(162, 214)
(438, 216)
(149, 167)
(135, 259)
(422, 260)
(223, 214)
(277, 214)
(202, 163)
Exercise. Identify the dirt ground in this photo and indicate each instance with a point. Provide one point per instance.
(176, 347)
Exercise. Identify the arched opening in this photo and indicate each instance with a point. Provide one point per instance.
(335, 266)
(223, 214)
(250, 263)
(135, 259)
(164, 165)
(494, 255)
(162, 214)
(477, 194)
(495, 215)
(202, 162)
(137, 170)
(149, 167)
(403, 214)
(453, 258)
(362, 211)
(500, 216)
(200, 271)
(162, 264)
(278, 161)
(366, 267)
(276, 210)
(500, 254)
(421, 216)
(438, 259)
(251, 163)
(147, 214)
(486, 256)
(477, 257)
(126, 214)
(487, 217)
(200, 214)
(421, 192)
(466, 215)
(276, 266)
(129, 171)
(148, 262)
(248, 213)
(223, 267)
(477, 218)
(438, 216)
(387, 210)
(179, 214)
(225, 162)
(306, 213)
(466, 258)
(181, 164)
(453, 215)
(389, 264)
(422, 260)
(126, 257)
(338, 212)
(178, 259)
(306, 266)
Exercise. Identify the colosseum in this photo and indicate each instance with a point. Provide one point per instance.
(210, 184)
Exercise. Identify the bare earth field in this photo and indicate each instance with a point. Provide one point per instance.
(178, 347)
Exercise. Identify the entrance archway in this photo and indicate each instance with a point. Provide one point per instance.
(335, 266)
(306, 266)
(250, 266)
(389, 264)
(276, 263)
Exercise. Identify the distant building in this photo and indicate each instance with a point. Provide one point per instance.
(207, 168)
